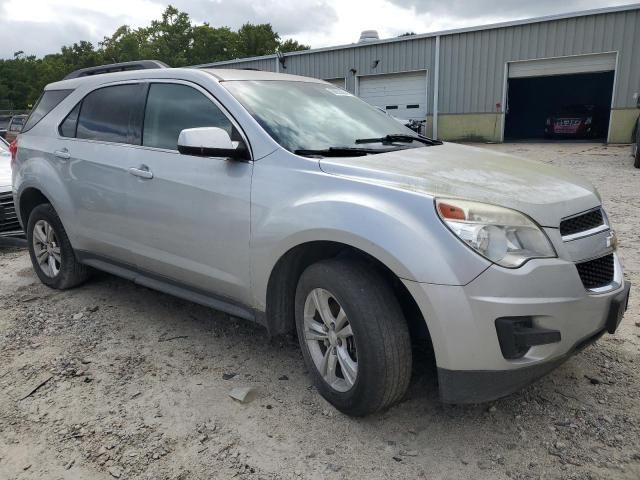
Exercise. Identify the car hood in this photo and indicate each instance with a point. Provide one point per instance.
(5, 169)
(543, 192)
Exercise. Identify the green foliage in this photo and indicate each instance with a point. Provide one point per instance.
(292, 46)
(172, 39)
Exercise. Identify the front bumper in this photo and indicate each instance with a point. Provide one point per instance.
(9, 224)
(462, 325)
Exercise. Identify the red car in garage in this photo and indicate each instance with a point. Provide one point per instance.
(577, 121)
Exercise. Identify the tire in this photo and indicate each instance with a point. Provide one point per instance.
(61, 269)
(379, 345)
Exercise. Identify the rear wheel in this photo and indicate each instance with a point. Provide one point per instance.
(354, 338)
(51, 253)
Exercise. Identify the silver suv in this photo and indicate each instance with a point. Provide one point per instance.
(290, 202)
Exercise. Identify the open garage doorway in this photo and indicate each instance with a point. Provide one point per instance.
(561, 98)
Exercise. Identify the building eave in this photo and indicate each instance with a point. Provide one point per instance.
(441, 33)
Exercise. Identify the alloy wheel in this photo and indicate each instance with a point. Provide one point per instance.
(46, 248)
(330, 340)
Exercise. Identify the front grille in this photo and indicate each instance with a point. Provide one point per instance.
(8, 218)
(581, 223)
(596, 273)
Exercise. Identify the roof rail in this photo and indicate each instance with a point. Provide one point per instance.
(117, 67)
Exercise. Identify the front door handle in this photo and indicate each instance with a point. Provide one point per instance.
(62, 154)
(142, 171)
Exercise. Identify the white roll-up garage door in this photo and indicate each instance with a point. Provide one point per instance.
(602, 62)
(403, 95)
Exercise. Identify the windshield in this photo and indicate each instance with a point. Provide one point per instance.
(316, 116)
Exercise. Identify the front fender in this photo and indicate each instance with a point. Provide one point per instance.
(399, 228)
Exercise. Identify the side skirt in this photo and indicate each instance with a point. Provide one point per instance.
(171, 287)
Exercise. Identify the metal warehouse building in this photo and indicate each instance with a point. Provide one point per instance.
(494, 82)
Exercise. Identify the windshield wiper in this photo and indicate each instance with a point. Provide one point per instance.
(399, 137)
(338, 152)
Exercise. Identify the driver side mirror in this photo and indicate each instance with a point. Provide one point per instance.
(211, 142)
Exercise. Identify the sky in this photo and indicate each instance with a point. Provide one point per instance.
(42, 26)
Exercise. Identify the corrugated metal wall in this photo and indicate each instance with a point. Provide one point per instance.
(472, 64)
(393, 57)
(266, 64)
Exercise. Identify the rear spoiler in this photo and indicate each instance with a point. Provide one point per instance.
(117, 67)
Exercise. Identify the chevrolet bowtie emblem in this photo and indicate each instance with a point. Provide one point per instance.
(612, 240)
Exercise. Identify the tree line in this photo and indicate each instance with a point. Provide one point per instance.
(173, 39)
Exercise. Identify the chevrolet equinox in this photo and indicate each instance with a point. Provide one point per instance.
(290, 202)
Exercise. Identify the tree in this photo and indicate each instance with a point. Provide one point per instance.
(172, 39)
(124, 45)
(212, 44)
(257, 40)
(292, 46)
(169, 39)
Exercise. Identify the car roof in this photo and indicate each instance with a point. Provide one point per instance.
(219, 74)
(223, 74)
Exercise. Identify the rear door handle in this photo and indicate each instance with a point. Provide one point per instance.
(62, 154)
(142, 171)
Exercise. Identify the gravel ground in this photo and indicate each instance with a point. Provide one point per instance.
(112, 380)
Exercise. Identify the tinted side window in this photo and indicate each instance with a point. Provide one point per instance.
(171, 108)
(112, 114)
(68, 127)
(47, 102)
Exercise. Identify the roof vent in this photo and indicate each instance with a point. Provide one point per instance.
(368, 36)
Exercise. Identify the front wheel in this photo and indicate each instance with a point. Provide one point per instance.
(51, 253)
(354, 337)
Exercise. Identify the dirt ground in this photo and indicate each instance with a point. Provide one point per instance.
(112, 380)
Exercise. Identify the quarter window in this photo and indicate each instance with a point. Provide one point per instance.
(173, 107)
(68, 127)
(112, 114)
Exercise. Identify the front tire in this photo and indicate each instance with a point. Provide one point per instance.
(354, 337)
(51, 253)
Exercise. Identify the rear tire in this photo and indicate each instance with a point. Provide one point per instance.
(51, 253)
(356, 298)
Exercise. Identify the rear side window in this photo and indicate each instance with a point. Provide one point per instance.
(47, 102)
(112, 114)
(173, 107)
(68, 127)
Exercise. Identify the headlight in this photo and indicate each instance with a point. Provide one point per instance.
(504, 236)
